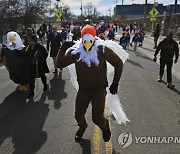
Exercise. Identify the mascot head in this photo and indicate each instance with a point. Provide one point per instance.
(88, 34)
(14, 41)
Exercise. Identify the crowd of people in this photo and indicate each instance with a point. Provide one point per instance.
(26, 61)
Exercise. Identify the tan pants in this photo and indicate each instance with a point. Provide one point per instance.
(97, 99)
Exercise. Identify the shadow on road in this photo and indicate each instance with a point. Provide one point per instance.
(135, 63)
(143, 56)
(86, 146)
(56, 90)
(21, 124)
(114, 152)
(151, 50)
(173, 89)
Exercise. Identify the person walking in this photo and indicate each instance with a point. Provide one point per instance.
(123, 41)
(156, 35)
(128, 37)
(54, 41)
(37, 66)
(90, 62)
(3, 38)
(169, 48)
(135, 40)
(111, 35)
(14, 58)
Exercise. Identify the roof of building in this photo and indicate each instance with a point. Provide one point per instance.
(138, 9)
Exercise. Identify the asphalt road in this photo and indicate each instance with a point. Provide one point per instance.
(47, 125)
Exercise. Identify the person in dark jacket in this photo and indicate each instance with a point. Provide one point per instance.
(156, 35)
(54, 41)
(76, 33)
(63, 34)
(135, 40)
(169, 48)
(111, 34)
(123, 41)
(128, 37)
(29, 32)
(37, 66)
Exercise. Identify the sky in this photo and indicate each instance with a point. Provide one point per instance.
(104, 5)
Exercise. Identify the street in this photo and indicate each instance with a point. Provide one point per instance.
(47, 124)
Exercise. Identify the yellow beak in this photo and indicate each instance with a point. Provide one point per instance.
(87, 46)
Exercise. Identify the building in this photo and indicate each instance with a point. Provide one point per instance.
(137, 10)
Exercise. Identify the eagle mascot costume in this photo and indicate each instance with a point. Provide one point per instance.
(91, 63)
(14, 58)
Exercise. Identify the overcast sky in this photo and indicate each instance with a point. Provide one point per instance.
(104, 5)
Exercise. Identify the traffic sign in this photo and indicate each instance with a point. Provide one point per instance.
(154, 12)
(58, 15)
(153, 18)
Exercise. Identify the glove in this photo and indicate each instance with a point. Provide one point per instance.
(154, 59)
(113, 88)
(67, 45)
(175, 61)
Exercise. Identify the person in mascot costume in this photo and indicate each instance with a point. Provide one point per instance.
(89, 56)
(14, 58)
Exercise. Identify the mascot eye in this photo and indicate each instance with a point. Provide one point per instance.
(84, 41)
(91, 41)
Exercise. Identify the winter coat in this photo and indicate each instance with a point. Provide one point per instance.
(55, 43)
(168, 48)
(37, 56)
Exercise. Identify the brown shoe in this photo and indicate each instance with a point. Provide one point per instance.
(170, 85)
(159, 79)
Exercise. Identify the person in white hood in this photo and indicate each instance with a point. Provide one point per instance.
(14, 58)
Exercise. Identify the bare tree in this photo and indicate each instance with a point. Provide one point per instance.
(90, 12)
(25, 12)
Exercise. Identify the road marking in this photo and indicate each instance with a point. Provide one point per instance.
(97, 137)
(109, 148)
(96, 140)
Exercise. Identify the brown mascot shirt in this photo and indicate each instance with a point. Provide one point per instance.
(90, 78)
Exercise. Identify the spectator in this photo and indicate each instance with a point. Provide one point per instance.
(156, 35)
(54, 41)
(169, 48)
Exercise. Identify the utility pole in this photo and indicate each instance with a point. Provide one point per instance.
(145, 12)
(175, 5)
(81, 12)
(116, 9)
(122, 9)
(57, 5)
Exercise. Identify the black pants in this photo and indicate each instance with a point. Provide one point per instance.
(169, 64)
(32, 82)
(155, 41)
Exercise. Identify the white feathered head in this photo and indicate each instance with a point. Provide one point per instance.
(14, 41)
(88, 34)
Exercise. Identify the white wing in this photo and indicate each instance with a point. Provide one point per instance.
(113, 101)
(72, 70)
